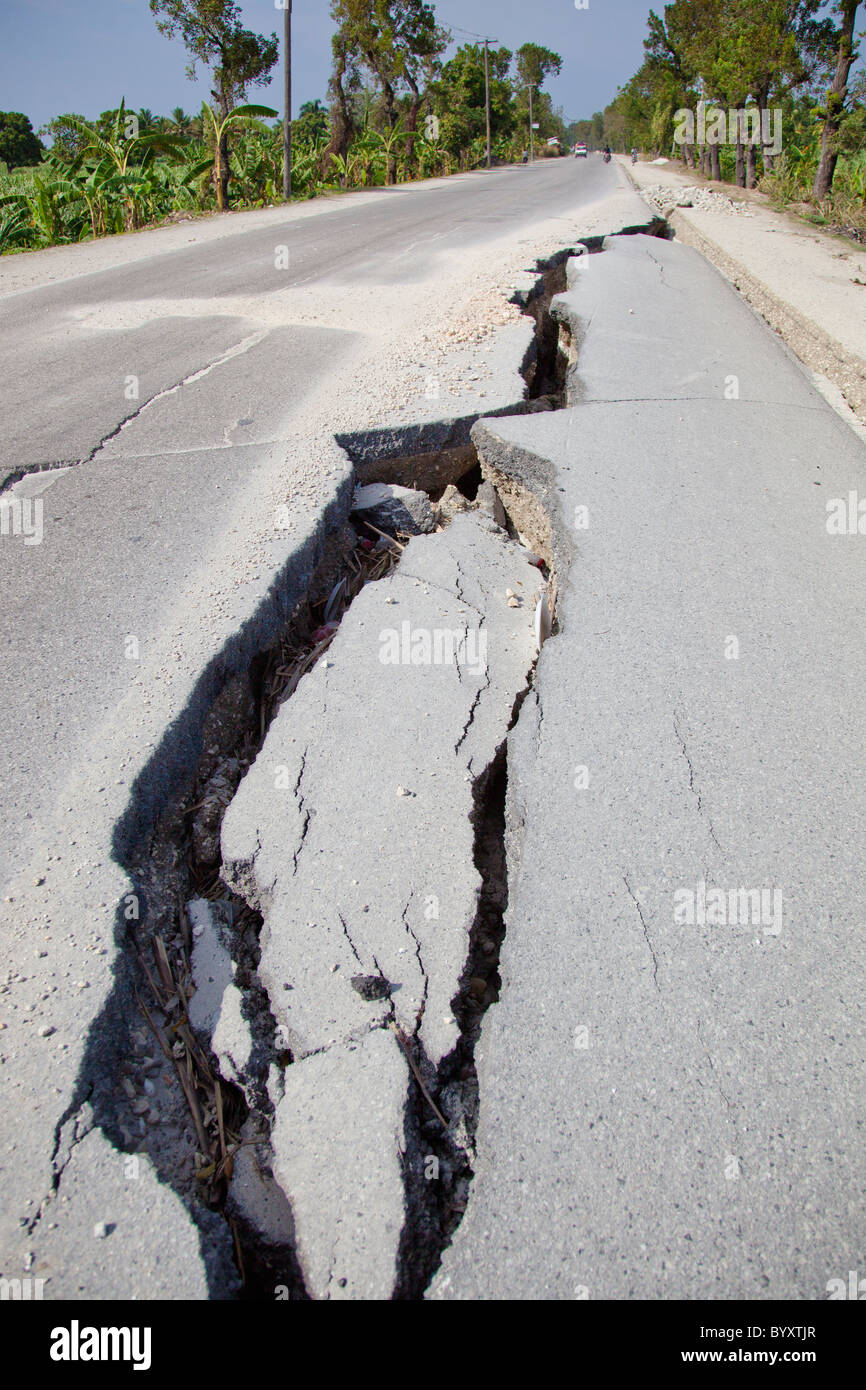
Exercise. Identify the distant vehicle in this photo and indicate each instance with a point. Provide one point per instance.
(580, 151)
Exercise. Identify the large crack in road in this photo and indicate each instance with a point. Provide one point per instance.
(235, 1111)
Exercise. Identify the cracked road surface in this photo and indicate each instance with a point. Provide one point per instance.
(129, 530)
(180, 393)
(671, 1083)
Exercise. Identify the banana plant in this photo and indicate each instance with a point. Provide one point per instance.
(217, 127)
(345, 167)
(16, 229)
(390, 142)
(429, 155)
(257, 162)
(54, 208)
(305, 166)
(856, 176)
(371, 157)
(121, 154)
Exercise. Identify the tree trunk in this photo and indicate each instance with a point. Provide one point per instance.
(741, 159)
(390, 117)
(225, 172)
(764, 111)
(221, 154)
(751, 174)
(341, 121)
(835, 103)
(412, 122)
(715, 163)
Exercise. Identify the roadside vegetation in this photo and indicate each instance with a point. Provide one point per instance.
(397, 109)
(794, 56)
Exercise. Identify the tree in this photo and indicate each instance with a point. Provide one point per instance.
(64, 132)
(19, 146)
(180, 122)
(399, 43)
(665, 83)
(742, 54)
(834, 109)
(214, 34)
(764, 52)
(312, 122)
(421, 42)
(535, 63)
(344, 84)
(457, 96)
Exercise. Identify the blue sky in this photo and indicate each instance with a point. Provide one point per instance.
(84, 55)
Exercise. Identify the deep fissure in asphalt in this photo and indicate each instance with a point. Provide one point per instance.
(169, 843)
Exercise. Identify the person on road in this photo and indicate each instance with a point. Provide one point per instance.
(526, 156)
(633, 155)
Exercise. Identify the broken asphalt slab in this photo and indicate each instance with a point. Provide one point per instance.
(352, 833)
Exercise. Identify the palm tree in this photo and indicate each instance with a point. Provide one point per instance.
(217, 127)
(181, 122)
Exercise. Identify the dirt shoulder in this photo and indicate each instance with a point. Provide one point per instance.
(809, 286)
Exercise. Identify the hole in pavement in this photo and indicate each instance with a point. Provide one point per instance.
(193, 1123)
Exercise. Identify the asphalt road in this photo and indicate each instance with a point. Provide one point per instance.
(126, 528)
(185, 394)
(668, 1108)
(64, 382)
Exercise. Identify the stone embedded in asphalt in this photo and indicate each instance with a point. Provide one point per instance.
(394, 508)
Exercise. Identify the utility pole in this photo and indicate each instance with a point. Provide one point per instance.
(487, 41)
(287, 99)
(531, 145)
(487, 95)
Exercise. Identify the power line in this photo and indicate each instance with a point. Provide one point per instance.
(470, 34)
